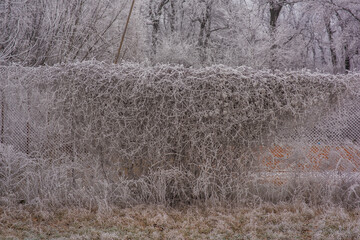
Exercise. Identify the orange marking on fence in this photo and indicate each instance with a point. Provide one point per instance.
(316, 158)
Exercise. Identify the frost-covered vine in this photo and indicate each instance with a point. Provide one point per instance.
(132, 113)
(164, 112)
(132, 121)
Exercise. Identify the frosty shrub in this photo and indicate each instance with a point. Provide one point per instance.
(127, 134)
(13, 166)
(138, 116)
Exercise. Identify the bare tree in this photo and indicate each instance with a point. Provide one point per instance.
(347, 14)
(156, 8)
(330, 33)
(278, 34)
(46, 32)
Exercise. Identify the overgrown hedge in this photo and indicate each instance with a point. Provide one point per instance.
(131, 121)
(134, 114)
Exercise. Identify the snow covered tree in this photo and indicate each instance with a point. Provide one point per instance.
(41, 32)
(276, 34)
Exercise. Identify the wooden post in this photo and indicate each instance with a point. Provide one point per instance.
(123, 35)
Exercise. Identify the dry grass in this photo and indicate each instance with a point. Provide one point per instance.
(281, 221)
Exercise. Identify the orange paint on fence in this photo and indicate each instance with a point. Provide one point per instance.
(312, 158)
(278, 161)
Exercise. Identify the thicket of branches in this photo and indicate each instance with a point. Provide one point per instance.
(128, 134)
(277, 34)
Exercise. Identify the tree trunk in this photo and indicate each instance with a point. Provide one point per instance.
(347, 59)
(275, 9)
(154, 36)
(205, 32)
(172, 16)
(155, 13)
(333, 55)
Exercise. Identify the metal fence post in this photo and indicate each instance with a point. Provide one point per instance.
(2, 116)
(28, 138)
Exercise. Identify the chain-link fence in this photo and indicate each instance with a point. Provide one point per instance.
(24, 113)
(19, 122)
(330, 146)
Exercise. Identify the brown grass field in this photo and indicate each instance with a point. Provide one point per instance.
(281, 221)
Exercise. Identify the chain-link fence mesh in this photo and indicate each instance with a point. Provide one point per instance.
(331, 146)
(18, 121)
(24, 112)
